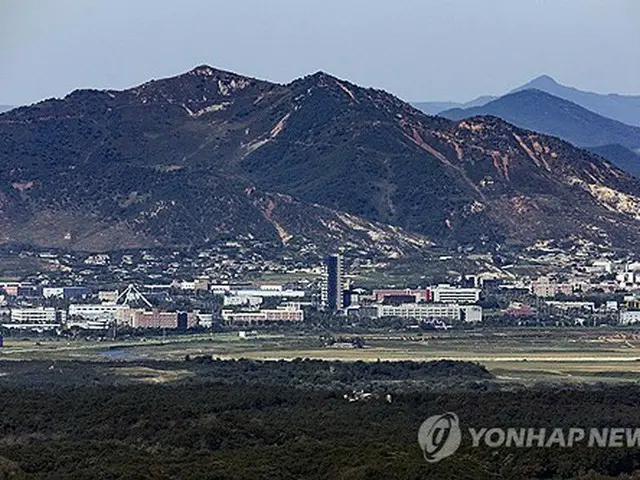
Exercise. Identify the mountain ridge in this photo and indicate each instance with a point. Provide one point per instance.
(319, 161)
(434, 108)
(623, 108)
(540, 111)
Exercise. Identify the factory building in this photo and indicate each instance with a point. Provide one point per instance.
(286, 314)
(139, 318)
(430, 311)
(267, 291)
(65, 292)
(408, 294)
(242, 301)
(449, 294)
(629, 317)
(36, 317)
(98, 311)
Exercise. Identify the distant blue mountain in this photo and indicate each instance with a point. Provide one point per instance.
(4, 108)
(434, 108)
(545, 113)
(624, 108)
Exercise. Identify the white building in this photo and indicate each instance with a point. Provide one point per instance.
(98, 259)
(287, 314)
(241, 300)
(547, 288)
(88, 324)
(91, 311)
(431, 311)
(268, 291)
(37, 315)
(205, 320)
(471, 313)
(184, 285)
(108, 296)
(602, 266)
(629, 317)
(567, 306)
(628, 279)
(53, 292)
(65, 292)
(449, 294)
(611, 306)
(219, 289)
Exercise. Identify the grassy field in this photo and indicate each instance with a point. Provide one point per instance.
(569, 355)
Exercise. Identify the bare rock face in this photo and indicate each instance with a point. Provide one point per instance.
(210, 154)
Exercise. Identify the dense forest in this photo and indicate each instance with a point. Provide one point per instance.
(260, 420)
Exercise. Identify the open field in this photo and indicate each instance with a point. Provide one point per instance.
(142, 405)
(566, 355)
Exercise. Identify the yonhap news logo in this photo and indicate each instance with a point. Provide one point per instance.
(440, 436)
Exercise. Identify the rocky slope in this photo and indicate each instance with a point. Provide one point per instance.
(211, 154)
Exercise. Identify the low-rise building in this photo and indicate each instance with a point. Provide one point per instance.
(205, 319)
(37, 315)
(10, 288)
(98, 311)
(568, 306)
(87, 324)
(271, 291)
(286, 314)
(629, 317)
(546, 288)
(601, 266)
(139, 318)
(611, 306)
(108, 296)
(430, 311)
(518, 309)
(185, 285)
(449, 294)
(65, 292)
(242, 301)
(418, 295)
(20, 289)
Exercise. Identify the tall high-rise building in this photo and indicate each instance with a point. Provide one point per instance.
(333, 283)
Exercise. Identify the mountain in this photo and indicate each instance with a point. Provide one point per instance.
(434, 108)
(543, 112)
(623, 108)
(102, 170)
(4, 108)
(316, 163)
(622, 157)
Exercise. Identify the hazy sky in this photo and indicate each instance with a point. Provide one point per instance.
(417, 49)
